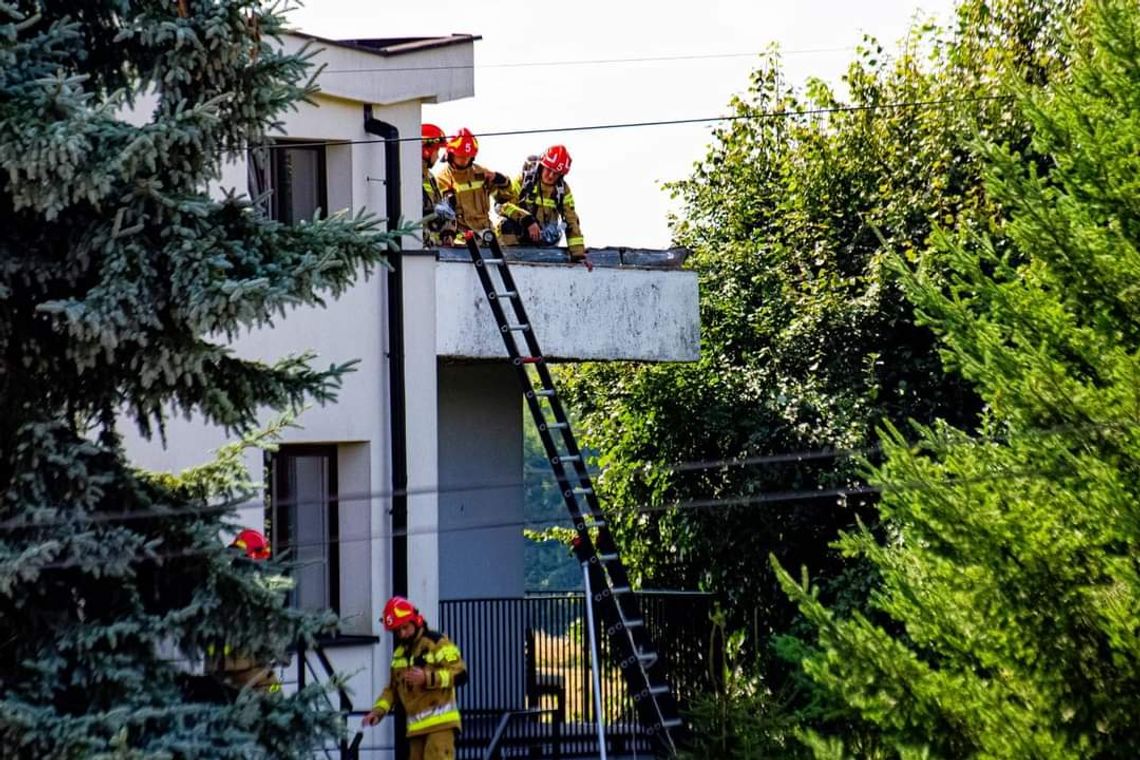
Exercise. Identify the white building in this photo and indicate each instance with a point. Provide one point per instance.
(450, 413)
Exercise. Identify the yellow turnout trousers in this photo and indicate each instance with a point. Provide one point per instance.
(438, 745)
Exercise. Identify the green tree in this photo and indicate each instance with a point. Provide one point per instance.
(807, 341)
(1010, 584)
(119, 278)
(550, 564)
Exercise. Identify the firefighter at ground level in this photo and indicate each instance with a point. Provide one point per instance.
(471, 189)
(441, 229)
(426, 668)
(237, 669)
(541, 204)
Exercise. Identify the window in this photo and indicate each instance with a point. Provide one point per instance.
(304, 521)
(288, 182)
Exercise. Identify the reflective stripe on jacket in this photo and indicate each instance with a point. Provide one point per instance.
(438, 231)
(431, 706)
(542, 204)
(472, 192)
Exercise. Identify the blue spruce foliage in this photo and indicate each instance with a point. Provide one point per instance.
(120, 280)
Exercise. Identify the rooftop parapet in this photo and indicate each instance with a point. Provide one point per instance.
(636, 305)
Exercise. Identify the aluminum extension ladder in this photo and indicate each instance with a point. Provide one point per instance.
(625, 626)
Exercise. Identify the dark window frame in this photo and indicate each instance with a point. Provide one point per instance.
(277, 515)
(270, 165)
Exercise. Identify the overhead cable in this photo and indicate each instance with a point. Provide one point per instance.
(699, 506)
(242, 502)
(756, 116)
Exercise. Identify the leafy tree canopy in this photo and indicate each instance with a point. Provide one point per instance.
(808, 342)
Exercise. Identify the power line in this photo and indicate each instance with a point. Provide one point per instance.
(590, 61)
(348, 498)
(702, 506)
(799, 456)
(359, 497)
(760, 115)
(355, 497)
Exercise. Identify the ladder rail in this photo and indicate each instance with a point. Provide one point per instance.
(562, 423)
(639, 661)
(569, 441)
(552, 453)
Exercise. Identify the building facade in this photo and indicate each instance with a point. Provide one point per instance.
(412, 481)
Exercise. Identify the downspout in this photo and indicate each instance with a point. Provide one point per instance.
(398, 413)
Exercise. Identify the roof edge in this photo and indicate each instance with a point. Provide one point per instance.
(391, 46)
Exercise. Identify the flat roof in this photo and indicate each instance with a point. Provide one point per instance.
(393, 46)
(618, 257)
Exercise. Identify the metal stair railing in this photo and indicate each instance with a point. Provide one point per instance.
(495, 747)
(348, 750)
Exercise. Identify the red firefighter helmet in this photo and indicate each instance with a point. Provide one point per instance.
(463, 145)
(556, 159)
(433, 139)
(252, 544)
(399, 612)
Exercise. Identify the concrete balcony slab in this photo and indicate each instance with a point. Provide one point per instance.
(643, 311)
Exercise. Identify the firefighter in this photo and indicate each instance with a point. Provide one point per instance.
(469, 188)
(426, 668)
(542, 205)
(237, 670)
(441, 229)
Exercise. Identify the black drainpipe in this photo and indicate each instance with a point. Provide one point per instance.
(398, 414)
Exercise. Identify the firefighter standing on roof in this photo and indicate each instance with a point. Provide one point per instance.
(441, 229)
(426, 668)
(470, 188)
(541, 202)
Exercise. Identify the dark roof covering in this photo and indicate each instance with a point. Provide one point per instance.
(389, 46)
(612, 256)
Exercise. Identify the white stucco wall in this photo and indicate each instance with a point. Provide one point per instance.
(433, 75)
(423, 434)
(609, 313)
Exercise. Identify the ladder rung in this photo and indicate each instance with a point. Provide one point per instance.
(585, 512)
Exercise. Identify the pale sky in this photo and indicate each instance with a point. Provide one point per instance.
(617, 173)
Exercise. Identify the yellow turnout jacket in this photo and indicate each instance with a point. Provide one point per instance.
(430, 707)
(472, 191)
(545, 204)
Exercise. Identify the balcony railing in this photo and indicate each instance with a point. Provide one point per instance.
(530, 657)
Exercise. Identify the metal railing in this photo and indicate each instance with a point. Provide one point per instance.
(500, 738)
(305, 669)
(530, 656)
